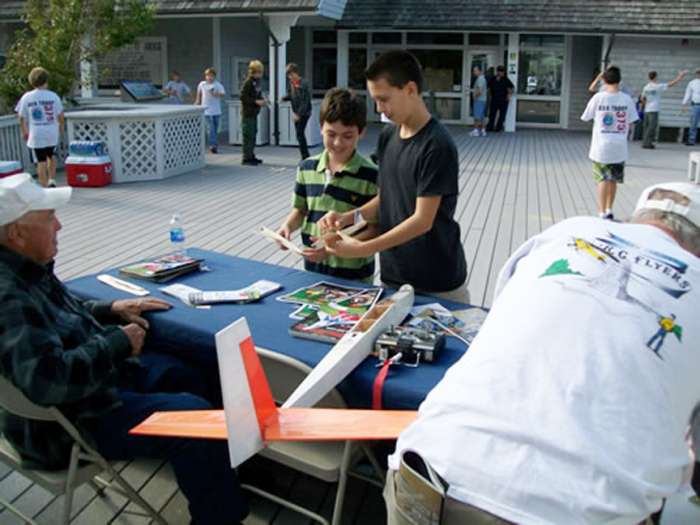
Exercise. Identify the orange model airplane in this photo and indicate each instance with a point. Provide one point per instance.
(250, 417)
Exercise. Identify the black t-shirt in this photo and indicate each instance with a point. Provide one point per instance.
(424, 165)
(499, 88)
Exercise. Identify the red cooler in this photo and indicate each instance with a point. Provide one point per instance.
(9, 167)
(88, 171)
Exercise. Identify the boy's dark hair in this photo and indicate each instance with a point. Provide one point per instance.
(38, 77)
(652, 75)
(343, 105)
(612, 75)
(501, 69)
(398, 68)
(293, 68)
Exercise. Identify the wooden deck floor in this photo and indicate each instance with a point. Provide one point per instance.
(512, 186)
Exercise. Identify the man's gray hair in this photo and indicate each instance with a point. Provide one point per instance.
(686, 232)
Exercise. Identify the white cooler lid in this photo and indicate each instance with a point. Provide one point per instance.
(89, 161)
(8, 166)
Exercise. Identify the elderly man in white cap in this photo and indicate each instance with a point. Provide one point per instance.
(56, 350)
(571, 405)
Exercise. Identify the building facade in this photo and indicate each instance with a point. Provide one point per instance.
(552, 50)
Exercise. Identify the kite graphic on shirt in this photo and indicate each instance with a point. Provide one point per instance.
(667, 325)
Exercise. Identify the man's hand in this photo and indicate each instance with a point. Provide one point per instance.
(136, 335)
(295, 117)
(286, 232)
(315, 255)
(130, 310)
(333, 221)
(346, 246)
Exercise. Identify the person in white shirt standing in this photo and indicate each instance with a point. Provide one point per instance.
(612, 113)
(40, 114)
(209, 94)
(692, 97)
(571, 404)
(651, 97)
(479, 105)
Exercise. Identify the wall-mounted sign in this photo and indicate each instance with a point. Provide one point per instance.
(146, 59)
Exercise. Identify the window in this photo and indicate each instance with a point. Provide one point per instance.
(325, 37)
(386, 38)
(445, 39)
(442, 69)
(540, 65)
(484, 39)
(538, 111)
(325, 74)
(358, 38)
(357, 63)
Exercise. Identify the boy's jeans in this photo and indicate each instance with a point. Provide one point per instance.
(213, 128)
(694, 122)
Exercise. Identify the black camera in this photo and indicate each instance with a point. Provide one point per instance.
(414, 344)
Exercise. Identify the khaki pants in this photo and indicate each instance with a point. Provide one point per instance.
(454, 512)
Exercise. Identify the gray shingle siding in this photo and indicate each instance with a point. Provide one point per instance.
(596, 16)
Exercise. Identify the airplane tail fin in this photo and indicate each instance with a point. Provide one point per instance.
(248, 401)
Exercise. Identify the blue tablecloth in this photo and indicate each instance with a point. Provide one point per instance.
(189, 332)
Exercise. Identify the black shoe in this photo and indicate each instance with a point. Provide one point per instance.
(213, 149)
(650, 146)
(249, 162)
(257, 160)
(689, 144)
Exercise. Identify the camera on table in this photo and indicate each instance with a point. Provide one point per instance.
(414, 344)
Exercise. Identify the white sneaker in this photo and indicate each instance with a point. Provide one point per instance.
(482, 132)
(52, 183)
(474, 133)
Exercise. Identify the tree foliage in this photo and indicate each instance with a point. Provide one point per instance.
(58, 34)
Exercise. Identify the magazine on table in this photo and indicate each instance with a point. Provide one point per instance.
(322, 326)
(162, 268)
(462, 324)
(249, 294)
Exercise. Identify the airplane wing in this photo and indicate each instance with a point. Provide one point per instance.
(288, 424)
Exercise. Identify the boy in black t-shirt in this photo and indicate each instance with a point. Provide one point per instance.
(419, 241)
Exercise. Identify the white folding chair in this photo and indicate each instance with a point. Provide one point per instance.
(329, 462)
(84, 466)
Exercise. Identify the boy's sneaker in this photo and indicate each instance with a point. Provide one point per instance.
(609, 216)
(249, 162)
(213, 149)
(482, 132)
(474, 133)
(52, 183)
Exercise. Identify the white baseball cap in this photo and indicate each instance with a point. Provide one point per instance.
(19, 194)
(689, 210)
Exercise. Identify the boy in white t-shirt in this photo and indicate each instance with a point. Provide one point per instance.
(40, 114)
(209, 94)
(612, 112)
(651, 97)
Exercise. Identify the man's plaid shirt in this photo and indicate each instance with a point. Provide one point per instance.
(56, 352)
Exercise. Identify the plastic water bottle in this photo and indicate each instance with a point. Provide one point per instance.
(177, 235)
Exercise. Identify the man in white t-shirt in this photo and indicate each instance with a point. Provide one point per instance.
(178, 91)
(571, 404)
(612, 113)
(651, 97)
(692, 97)
(209, 94)
(40, 114)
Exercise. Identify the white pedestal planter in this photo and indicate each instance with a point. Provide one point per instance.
(144, 142)
(234, 125)
(288, 135)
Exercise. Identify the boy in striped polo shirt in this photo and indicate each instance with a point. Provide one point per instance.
(338, 179)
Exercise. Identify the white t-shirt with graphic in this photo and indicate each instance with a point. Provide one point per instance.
(571, 405)
(652, 93)
(612, 114)
(181, 91)
(212, 104)
(40, 109)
